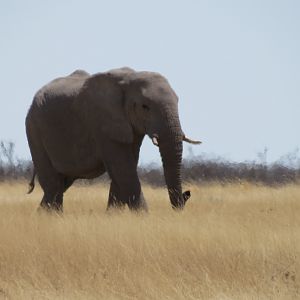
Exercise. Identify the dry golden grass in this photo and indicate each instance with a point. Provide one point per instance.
(231, 242)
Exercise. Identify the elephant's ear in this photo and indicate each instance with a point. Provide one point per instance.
(103, 100)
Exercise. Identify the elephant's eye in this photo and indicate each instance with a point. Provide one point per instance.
(146, 107)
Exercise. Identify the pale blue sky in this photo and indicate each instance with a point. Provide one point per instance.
(235, 65)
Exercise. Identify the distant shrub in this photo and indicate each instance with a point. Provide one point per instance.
(228, 171)
(11, 167)
(198, 169)
(195, 169)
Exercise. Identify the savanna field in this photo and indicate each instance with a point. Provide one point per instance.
(233, 241)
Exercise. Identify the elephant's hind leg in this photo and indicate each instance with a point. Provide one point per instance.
(58, 203)
(50, 180)
(53, 191)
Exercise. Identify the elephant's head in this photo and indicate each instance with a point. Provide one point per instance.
(143, 103)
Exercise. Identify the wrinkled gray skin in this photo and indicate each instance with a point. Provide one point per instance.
(83, 125)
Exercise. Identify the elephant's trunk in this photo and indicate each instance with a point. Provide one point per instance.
(170, 147)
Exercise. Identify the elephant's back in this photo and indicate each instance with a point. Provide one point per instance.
(61, 89)
(53, 122)
(52, 108)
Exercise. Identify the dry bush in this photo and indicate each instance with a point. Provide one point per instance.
(237, 241)
(198, 169)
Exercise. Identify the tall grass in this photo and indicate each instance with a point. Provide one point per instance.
(237, 241)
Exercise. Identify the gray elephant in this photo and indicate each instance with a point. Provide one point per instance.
(82, 125)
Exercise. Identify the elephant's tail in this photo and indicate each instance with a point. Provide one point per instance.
(31, 183)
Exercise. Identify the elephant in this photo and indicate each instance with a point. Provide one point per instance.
(81, 126)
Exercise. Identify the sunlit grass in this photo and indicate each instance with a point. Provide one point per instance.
(237, 241)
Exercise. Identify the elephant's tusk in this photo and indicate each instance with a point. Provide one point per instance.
(155, 140)
(186, 139)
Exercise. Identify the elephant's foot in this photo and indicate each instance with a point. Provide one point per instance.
(138, 205)
(50, 208)
(114, 204)
(112, 208)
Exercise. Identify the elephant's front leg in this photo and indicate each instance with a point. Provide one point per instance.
(125, 187)
(126, 190)
(114, 201)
